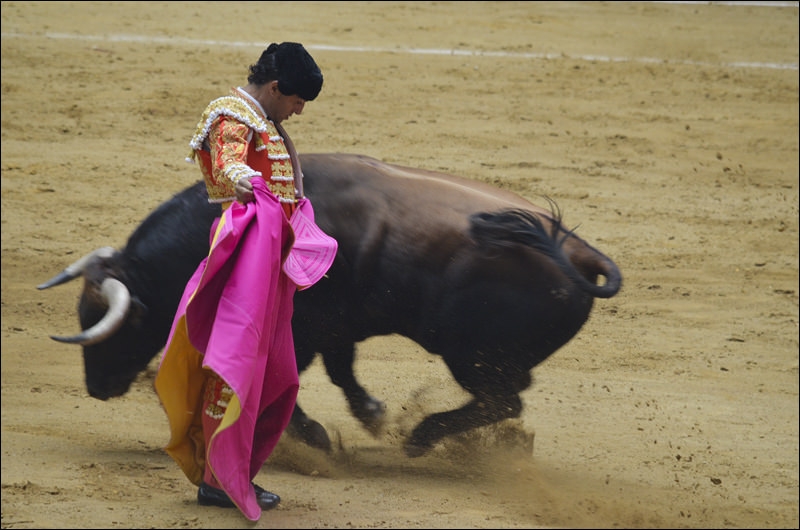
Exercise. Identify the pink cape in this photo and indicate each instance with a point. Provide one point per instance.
(312, 253)
(235, 319)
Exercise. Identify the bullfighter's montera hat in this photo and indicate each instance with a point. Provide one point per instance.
(298, 73)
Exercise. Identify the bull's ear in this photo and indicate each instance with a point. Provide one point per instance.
(137, 312)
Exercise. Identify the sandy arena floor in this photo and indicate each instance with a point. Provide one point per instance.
(668, 132)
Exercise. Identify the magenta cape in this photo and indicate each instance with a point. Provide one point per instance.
(235, 318)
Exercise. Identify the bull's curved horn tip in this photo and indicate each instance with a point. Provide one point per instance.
(47, 284)
(68, 340)
(58, 279)
(75, 269)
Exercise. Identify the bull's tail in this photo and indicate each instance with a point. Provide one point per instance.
(516, 226)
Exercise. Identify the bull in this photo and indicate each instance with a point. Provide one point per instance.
(477, 275)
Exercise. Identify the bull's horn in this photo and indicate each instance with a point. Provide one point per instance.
(118, 298)
(76, 269)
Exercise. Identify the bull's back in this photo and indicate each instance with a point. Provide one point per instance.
(365, 202)
(410, 190)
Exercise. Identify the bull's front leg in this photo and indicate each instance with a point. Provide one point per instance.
(301, 427)
(370, 411)
(476, 413)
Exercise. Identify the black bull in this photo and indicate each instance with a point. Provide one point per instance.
(485, 279)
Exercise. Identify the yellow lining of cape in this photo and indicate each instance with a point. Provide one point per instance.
(187, 442)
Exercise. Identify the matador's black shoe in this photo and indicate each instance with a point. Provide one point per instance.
(209, 496)
(266, 499)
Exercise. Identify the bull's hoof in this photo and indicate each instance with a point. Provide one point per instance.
(418, 443)
(371, 413)
(413, 451)
(310, 433)
(424, 436)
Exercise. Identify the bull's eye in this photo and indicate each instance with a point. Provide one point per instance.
(137, 312)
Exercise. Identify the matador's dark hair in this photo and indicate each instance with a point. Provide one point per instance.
(292, 66)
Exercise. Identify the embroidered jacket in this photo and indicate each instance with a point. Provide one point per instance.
(235, 139)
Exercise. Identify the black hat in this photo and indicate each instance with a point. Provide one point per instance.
(296, 69)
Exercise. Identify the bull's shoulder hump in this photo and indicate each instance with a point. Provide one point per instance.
(450, 184)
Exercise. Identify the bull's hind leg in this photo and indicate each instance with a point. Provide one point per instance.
(476, 413)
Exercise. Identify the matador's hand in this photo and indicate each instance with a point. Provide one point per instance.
(244, 190)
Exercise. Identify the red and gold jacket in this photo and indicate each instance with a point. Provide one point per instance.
(236, 139)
